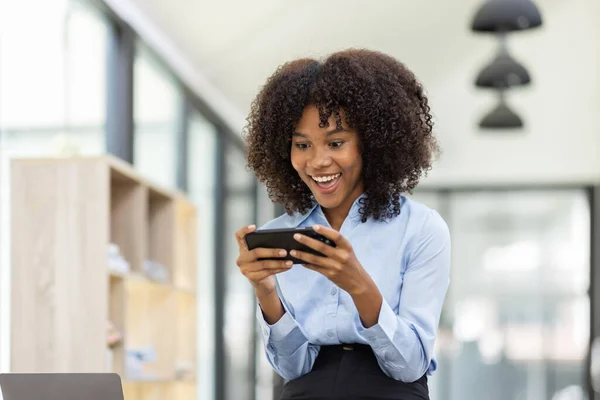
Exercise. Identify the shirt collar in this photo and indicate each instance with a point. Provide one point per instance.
(353, 214)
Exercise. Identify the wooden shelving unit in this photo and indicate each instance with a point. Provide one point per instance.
(93, 244)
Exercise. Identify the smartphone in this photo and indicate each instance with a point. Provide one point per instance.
(284, 239)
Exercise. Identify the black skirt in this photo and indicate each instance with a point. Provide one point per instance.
(351, 372)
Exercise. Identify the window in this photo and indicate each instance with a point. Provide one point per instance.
(239, 305)
(202, 150)
(264, 371)
(516, 320)
(157, 102)
(239, 296)
(239, 178)
(52, 99)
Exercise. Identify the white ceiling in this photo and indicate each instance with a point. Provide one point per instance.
(226, 49)
(236, 45)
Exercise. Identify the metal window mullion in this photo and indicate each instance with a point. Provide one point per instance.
(119, 92)
(254, 335)
(219, 269)
(182, 145)
(278, 381)
(594, 198)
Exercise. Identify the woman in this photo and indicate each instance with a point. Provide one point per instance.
(338, 143)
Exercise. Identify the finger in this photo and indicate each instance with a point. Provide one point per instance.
(247, 257)
(262, 252)
(265, 268)
(332, 234)
(315, 244)
(260, 275)
(241, 234)
(308, 258)
(326, 272)
(268, 265)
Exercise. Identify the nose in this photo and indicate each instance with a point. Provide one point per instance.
(321, 159)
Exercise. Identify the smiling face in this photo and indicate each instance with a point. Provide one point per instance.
(328, 160)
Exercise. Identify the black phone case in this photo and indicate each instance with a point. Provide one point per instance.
(284, 239)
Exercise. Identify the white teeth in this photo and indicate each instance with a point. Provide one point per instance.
(323, 179)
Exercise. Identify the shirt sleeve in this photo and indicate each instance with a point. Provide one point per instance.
(403, 343)
(286, 344)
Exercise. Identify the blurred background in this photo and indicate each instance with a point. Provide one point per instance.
(165, 87)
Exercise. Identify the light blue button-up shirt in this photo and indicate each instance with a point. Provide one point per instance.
(408, 258)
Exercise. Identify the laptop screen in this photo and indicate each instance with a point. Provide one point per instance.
(61, 386)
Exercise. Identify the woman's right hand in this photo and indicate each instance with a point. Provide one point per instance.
(260, 273)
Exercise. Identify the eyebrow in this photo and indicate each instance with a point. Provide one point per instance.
(329, 133)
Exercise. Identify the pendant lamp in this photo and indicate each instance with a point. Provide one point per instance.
(501, 117)
(503, 17)
(504, 71)
(506, 16)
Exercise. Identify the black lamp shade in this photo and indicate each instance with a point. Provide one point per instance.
(501, 117)
(506, 16)
(503, 72)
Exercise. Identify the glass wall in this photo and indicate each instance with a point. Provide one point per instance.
(202, 150)
(52, 99)
(157, 105)
(517, 318)
(266, 378)
(53, 102)
(240, 210)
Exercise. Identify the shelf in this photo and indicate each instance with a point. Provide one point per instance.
(143, 279)
(159, 390)
(186, 338)
(149, 343)
(161, 221)
(84, 231)
(185, 246)
(128, 219)
(59, 287)
(116, 317)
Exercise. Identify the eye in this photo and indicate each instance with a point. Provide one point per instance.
(301, 146)
(336, 144)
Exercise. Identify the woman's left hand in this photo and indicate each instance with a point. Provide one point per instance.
(339, 263)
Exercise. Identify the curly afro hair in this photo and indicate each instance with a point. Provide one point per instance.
(380, 98)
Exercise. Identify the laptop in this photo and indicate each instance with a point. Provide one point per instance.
(61, 386)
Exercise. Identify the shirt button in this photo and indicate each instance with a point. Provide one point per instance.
(266, 332)
(333, 291)
(330, 334)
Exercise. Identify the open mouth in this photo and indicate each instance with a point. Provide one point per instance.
(326, 182)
